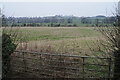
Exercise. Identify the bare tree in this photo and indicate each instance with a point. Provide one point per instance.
(112, 45)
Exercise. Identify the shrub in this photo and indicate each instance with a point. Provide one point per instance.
(8, 48)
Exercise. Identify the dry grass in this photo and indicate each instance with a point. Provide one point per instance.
(82, 41)
(61, 40)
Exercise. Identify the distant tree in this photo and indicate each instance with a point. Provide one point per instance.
(51, 24)
(84, 20)
(58, 25)
(24, 24)
(69, 20)
(48, 25)
(37, 25)
(41, 24)
(97, 22)
(65, 24)
(92, 25)
(74, 25)
(46, 20)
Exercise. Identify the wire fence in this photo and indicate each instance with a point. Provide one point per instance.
(60, 65)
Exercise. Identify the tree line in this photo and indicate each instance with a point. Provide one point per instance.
(57, 21)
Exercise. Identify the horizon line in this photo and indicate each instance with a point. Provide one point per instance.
(60, 15)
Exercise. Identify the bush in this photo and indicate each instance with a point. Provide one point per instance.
(8, 48)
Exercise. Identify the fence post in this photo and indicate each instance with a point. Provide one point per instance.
(83, 68)
(24, 62)
(109, 72)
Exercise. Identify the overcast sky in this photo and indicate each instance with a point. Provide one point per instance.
(34, 9)
(59, 0)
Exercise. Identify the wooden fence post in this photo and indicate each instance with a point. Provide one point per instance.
(83, 69)
(109, 72)
(24, 62)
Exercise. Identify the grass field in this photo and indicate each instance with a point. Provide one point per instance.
(57, 33)
(61, 40)
(82, 41)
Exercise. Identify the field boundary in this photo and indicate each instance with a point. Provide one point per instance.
(61, 65)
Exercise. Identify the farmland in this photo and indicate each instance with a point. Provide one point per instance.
(79, 41)
(61, 40)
